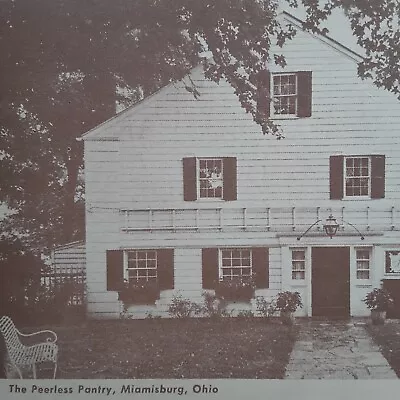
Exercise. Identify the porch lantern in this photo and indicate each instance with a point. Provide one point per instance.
(331, 226)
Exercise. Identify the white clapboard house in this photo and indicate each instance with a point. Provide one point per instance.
(188, 194)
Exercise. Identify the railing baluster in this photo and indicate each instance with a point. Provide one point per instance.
(220, 218)
(126, 218)
(342, 218)
(392, 218)
(318, 217)
(173, 219)
(244, 217)
(197, 219)
(268, 218)
(293, 219)
(150, 220)
(368, 226)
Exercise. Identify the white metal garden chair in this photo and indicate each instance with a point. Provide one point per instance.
(28, 349)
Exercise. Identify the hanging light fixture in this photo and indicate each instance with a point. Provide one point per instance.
(331, 226)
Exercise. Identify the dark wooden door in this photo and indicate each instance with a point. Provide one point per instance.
(331, 281)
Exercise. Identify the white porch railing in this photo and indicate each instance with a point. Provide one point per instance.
(276, 219)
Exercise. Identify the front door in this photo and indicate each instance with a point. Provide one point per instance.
(331, 281)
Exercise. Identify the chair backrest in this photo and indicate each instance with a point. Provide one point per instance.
(9, 332)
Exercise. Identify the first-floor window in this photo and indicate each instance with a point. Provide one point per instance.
(363, 260)
(235, 264)
(298, 264)
(142, 266)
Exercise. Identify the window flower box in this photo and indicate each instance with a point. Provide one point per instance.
(235, 289)
(139, 292)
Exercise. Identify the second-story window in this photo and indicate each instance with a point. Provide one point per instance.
(285, 94)
(357, 176)
(211, 180)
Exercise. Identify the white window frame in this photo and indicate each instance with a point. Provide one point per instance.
(298, 260)
(345, 177)
(231, 249)
(127, 268)
(358, 259)
(273, 96)
(199, 197)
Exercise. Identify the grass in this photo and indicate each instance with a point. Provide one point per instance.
(388, 338)
(169, 348)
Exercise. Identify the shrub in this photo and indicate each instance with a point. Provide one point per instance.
(183, 308)
(265, 308)
(288, 301)
(378, 299)
(245, 314)
(213, 306)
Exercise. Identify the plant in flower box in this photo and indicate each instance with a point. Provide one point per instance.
(235, 289)
(287, 303)
(379, 300)
(139, 292)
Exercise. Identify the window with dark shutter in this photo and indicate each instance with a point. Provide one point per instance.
(209, 268)
(336, 177)
(230, 178)
(189, 179)
(260, 260)
(165, 268)
(292, 94)
(115, 269)
(304, 88)
(377, 177)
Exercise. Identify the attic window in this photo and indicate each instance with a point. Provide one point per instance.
(285, 94)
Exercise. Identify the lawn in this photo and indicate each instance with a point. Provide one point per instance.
(388, 338)
(170, 348)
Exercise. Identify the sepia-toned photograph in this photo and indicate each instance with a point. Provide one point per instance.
(198, 190)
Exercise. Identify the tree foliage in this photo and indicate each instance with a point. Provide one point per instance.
(62, 59)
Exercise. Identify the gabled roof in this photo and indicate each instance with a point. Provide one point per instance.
(142, 103)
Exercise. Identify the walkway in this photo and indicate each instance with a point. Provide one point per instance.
(336, 350)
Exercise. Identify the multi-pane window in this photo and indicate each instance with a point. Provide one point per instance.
(363, 260)
(298, 264)
(211, 180)
(357, 176)
(142, 265)
(284, 94)
(235, 264)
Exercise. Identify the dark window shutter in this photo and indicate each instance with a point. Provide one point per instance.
(263, 94)
(304, 88)
(336, 177)
(165, 268)
(230, 178)
(189, 179)
(115, 269)
(210, 274)
(260, 258)
(377, 177)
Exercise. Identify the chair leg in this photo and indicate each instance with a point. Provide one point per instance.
(55, 370)
(34, 370)
(18, 370)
